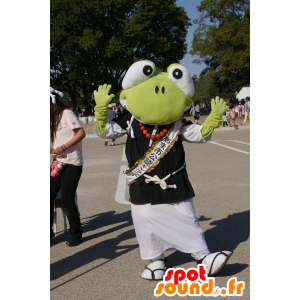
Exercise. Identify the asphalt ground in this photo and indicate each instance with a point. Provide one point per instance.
(107, 265)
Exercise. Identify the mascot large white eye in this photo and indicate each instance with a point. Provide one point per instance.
(137, 73)
(181, 76)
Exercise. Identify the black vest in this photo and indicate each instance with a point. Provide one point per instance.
(142, 192)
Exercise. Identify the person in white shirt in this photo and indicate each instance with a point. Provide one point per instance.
(239, 109)
(227, 112)
(195, 111)
(66, 134)
(236, 109)
(111, 115)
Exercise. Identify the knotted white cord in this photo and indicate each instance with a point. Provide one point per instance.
(162, 182)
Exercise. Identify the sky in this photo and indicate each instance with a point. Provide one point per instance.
(193, 13)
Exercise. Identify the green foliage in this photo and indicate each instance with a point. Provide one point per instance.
(222, 42)
(207, 89)
(94, 42)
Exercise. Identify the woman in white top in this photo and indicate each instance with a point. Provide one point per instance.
(111, 115)
(240, 109)
(195, 111)
(66, 134)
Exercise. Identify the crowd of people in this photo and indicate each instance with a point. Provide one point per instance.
(236, 108)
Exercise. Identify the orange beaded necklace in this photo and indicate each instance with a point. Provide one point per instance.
(153, 137)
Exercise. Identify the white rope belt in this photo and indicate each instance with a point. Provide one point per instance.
(162, 182)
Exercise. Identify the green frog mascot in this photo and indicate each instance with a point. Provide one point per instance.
(160, 192)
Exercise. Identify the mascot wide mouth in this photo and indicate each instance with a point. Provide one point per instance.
(124, 104)
(150, 121)
(158, 112)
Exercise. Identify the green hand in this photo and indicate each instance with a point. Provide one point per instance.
(102, 99)
(214, 120)
(218, 106)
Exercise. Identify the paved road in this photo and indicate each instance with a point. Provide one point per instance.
(108, 265)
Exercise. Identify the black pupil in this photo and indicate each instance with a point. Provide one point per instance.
(147, 70)
(177, 73)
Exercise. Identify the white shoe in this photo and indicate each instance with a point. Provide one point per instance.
(155, 270)
(214, 262)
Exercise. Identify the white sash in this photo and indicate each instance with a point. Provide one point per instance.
(158, 151)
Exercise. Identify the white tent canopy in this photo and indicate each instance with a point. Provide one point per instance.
(244, 92)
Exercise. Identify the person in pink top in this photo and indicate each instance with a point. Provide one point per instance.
(231, 116)
(66, 134)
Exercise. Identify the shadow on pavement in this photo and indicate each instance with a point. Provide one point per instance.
(105, 219)
(203, 218)
(231, 270)
(227, 234)
(95, 222)
(107, 249)
(120, 144)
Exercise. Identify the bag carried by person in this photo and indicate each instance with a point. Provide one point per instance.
(56, 168)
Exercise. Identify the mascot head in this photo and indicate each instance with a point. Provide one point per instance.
(155, 97)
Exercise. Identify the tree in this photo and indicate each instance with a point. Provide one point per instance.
(206, 88)
(95, 41)
(222, 42)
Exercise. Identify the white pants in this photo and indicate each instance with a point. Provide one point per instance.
(165, 227)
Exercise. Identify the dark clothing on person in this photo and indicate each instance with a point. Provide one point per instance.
(142, 192)
(67, 182)
(196, 111)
